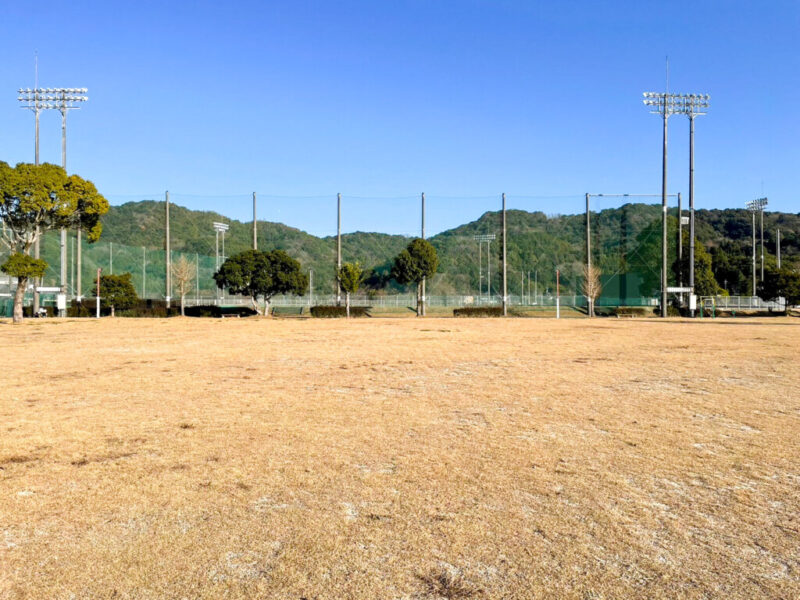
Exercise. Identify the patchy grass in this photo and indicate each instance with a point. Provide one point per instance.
(400, 459)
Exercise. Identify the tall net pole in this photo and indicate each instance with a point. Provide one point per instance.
(255, 222)
(505, 272)
(338, 248)
(423, 237)
(167, 262)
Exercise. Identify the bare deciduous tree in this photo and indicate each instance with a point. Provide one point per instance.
(183, 274)
(591, 287)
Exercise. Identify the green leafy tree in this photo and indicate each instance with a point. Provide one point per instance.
(35, 199)
(259, 274)
(705, 284)
(351, 276)
(781, 283)
(414, 264)
(23, 267)
(116, 292)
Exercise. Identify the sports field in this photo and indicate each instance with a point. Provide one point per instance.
(400, 459)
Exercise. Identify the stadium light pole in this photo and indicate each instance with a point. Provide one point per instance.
(757, 206)
(62, 100)
(664, 104)
(219, 228)
(692, 105)
(481, 238)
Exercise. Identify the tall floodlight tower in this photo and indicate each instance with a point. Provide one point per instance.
(32, 102)
(664, 104)
(219, 228)
(692, 105)
(481, 239)
(757, 206)
(62, 100)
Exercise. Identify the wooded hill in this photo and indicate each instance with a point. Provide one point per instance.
(626, 241)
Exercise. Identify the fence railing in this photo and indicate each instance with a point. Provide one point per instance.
(743, 303)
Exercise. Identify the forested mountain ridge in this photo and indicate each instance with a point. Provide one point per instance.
(624, 239)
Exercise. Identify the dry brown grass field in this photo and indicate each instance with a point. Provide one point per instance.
(400, 459)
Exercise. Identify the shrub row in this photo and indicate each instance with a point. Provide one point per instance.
(155, 309)
(634, 311)
(333, 312)
(478, 311)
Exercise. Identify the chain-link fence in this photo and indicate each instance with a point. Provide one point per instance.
(545, 250)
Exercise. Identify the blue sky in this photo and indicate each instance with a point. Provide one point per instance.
(383, 100)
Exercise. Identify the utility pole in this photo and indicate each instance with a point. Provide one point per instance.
(423, 237)
(168, 261)
(255, 222)
(505, 269)
(338, 248)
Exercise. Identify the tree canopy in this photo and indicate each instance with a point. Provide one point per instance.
(35, 199)
(416, 262)
(117, 292)
(781, 283)
(351, 276)
(261, 274)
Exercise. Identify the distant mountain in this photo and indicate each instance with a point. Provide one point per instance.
(624, 240)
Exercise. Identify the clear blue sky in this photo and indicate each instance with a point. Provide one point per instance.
(383, 100)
